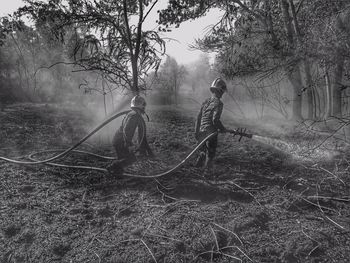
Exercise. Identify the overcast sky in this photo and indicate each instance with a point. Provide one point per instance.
(184, 35)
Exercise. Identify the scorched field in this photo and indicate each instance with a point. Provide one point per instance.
(258, 205)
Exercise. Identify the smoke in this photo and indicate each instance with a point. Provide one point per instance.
(301, 152)
(104, 137)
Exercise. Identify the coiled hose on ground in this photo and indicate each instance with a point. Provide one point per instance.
(64, 153)
(173, 169)
(72, 149)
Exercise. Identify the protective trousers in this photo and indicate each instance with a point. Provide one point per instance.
(207, 151)
(124, 155)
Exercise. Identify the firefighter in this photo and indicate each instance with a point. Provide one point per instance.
(208, 121)
(122, 140)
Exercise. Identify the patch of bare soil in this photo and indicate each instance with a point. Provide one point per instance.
(257, 205)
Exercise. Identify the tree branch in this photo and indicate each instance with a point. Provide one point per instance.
(149, 11)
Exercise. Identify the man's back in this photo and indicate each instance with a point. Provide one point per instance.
(210, 114)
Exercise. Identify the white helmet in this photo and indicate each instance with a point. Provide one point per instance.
(138, 102)
(218, 84)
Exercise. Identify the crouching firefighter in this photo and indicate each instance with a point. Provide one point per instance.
(208, 121)
(122, 140)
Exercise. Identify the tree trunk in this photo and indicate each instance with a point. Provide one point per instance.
(328, 98)
(342, 21)
(295, 79)
(311, 96)
(175, 86)
(336, 87)
(287, 19)
(294, 76)
(104, 97)
(135, 76)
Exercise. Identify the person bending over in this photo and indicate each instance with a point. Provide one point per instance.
(122, 140)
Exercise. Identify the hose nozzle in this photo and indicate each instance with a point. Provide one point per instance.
(241, 132)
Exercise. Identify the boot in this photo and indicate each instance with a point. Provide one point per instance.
(200, 160)
(115, 169)
(209, 163)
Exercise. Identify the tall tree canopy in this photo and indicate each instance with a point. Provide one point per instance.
(108, 36)
(267, 36)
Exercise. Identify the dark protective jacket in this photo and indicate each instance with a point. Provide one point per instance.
(208, 119)
(124, 135)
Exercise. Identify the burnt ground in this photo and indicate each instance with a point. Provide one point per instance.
(257, 205)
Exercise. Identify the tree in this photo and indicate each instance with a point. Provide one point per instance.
(200, 73)
(24, 49)
(107, 38)
(170, 77)
(239, 52)
(267, 36)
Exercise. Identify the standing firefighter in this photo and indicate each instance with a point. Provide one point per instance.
(122, 140)
(208, 121)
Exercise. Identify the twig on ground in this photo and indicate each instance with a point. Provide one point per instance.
(335, 223)
(324, 207)
(335, 176)
(312, 250)
(302, 231)
(165, 237)
(230, 256)
(167, 196)
(215, 238)
(167, 188)
(99, 259)
(312, 239)
(149, 250)
(220, 249)
(238, 186)
(225, 229)
(240, 250)
(318, 200)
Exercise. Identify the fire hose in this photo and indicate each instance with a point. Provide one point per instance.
(64, 153)
(103, 170)
(239, 132)
(72, 149)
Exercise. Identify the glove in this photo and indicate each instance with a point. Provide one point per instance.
(151, 155)
(147, 153)
(196, 136)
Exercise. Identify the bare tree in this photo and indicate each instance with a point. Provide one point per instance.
(106, 38)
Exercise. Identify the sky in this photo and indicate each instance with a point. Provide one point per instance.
(183, 36)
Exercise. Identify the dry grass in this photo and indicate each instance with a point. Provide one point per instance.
(258, 205)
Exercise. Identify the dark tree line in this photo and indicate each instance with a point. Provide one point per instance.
(307, 41)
